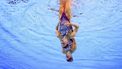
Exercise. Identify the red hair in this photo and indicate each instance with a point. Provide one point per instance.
(65, 7)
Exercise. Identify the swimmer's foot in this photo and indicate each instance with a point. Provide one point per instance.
(69, 56)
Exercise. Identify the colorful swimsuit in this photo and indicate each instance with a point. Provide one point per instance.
(64, 30)
(62, 27)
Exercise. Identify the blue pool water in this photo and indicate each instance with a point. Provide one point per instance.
(28, 40)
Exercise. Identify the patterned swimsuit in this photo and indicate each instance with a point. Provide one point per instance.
(64, 30)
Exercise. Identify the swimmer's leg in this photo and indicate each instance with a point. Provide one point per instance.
(73, 48)
(68, 53)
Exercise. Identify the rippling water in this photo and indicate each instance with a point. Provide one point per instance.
(28, 40)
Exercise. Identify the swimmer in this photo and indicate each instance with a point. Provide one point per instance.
(65, 30)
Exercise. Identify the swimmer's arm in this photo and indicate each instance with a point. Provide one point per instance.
(76, 27)
(57, 32)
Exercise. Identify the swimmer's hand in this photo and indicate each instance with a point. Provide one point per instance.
(57, 33)
(74, 30)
